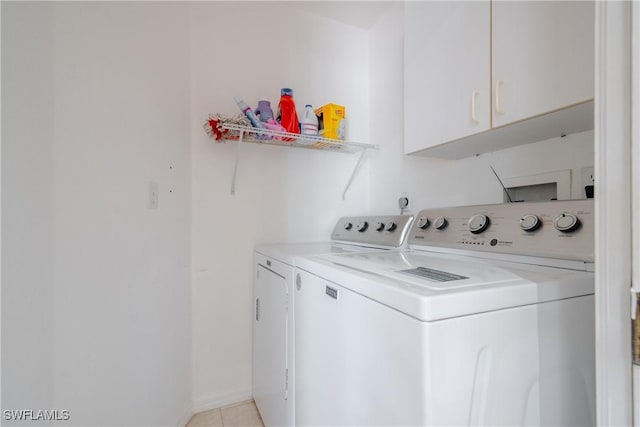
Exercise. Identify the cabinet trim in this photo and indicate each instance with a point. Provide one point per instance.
(556, 123)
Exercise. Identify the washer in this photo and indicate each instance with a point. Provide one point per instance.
(486, 320)
(273, 331)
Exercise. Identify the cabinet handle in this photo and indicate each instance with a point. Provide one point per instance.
(497, 100)
(474, 94)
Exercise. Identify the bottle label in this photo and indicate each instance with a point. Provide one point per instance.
(309, 129)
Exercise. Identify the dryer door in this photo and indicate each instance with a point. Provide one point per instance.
(270, 332)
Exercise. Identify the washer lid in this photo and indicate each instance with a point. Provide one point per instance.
(288, 252)
(439, 286)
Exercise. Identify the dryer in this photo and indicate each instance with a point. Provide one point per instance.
(487, 320)
(274, 304)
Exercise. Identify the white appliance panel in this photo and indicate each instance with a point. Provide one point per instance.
(273, 325)
(538, 229)
(360, 362)
(345, 341)
(491, 285)
(289, 252)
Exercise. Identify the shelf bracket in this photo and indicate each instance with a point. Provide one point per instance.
(353, 174)
(303, 141)
(235, 164)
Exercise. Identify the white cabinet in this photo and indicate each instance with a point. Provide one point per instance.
(543, 57)
(446, 90)
(481, 76)
(447, 52)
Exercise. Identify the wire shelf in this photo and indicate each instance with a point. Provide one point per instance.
(242, 134)
(287, 139)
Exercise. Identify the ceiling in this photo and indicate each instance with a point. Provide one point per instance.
(363, 14)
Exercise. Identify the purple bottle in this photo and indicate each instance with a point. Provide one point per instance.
(264, 110)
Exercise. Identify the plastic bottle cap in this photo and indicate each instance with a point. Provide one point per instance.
(308, 105)
(286, 91)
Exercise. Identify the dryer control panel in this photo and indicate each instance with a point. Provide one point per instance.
(556, 229)
(389, 230)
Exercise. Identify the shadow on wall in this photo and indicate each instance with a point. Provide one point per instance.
(438, 183)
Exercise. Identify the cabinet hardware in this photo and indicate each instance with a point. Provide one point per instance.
(497, 100)
(635, 325)
(474, 94)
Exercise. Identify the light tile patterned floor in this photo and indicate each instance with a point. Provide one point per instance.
(244, 414)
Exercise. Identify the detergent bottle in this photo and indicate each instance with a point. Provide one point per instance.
(287, 115)
(264, 110)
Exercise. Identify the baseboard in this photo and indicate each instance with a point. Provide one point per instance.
(186, 415)
(219, 400)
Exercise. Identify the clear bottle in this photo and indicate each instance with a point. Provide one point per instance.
(309, 123)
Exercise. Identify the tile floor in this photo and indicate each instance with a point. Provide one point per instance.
(243, 414)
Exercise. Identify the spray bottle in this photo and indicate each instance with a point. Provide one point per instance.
(255, 122)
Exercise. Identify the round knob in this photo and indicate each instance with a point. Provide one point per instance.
(391, 226)
(362, 226)
(530, 223)
(379, 226)
(423, 222)
(566, 222)
(348, 225)
(478, 223)
(440, 223)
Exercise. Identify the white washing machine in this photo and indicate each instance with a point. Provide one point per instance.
(487, 320)
(273, 331)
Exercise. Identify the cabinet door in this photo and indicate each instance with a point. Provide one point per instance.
(543, 57)
(270, 333)
(446, 74)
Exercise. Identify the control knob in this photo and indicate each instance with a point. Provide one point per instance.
(440, 223)
(566, 222)
(379, 226)
(391, 226)
(362, 226)
(348, 225)
(423, 222)
(530, 223)
(478, 223)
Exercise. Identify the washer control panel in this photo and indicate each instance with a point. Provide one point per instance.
(556, 229)
(390, 230)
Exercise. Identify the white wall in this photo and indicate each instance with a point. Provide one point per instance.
(121, 270)
(27, 200)
(435, 182)
(252, 50)
(120, 92)
(96, 286)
